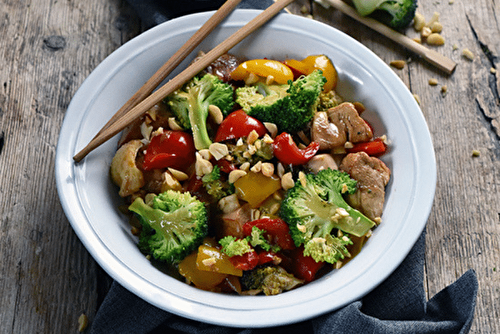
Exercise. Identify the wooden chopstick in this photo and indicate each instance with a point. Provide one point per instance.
(182, 78)
(175, 60)
(438, 60)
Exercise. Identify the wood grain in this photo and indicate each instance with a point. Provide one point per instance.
(48, 48)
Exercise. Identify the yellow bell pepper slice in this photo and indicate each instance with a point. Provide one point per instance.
(316, 62)
(212, 259)
(255, 188)
(265, 68)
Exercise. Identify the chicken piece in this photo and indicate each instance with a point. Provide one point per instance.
(338, 125)
(321, 161)
(325, 133)
(372, 176)
(124, 171)
(346, 118)
(232, 223)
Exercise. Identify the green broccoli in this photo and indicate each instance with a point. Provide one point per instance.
(396, 14)
(239, 151)
(328, 100)
(290, 106)
(173, 225)
(190, 105)
(272, 280)
(231, 246)
(315, 209)
(257, 239)
(214, 186)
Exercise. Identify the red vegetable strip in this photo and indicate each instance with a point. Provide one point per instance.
(286, 151)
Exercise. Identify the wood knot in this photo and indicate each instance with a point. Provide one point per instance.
(54, 42)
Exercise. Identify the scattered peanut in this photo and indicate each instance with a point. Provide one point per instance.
(170, 182)
(476, 153)
(468, 54)
(202, 166)
(218, 150)
(267, 169)
(83, 322)
(272, 128)
(435, 39)
(252, 137)
(205, 154)
(418, 21)
(436, 27)
(173, 125)
(257, 167)
(399, 64)
(215, 113)
(181, 176)
(425, 32)
(433, 82)
(287, 181)
(235, 175)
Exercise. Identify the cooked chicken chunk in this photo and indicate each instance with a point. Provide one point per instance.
(339, 124)
(372, 176)
(232, 223)
(124, 171)
(322, 161)
(326, 134)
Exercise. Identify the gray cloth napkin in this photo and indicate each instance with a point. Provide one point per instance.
(398, 305)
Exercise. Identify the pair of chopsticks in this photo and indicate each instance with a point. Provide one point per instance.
(145, 98)
(434, 58)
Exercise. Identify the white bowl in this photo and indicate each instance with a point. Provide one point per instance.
(90, 201)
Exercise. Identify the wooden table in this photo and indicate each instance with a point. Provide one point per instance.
(47, 278)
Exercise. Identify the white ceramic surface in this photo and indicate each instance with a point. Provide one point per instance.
(91, 202)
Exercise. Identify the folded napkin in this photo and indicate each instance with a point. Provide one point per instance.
(398, 305)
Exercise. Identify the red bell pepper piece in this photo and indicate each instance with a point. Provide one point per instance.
(247, 261)
(375, 147)
(170, 149)
(276, 230)
(287, 152)
(304, 267)
(266, 256)
(224, 165)
(238, 124)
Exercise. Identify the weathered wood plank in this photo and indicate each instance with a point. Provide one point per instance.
(47, 278)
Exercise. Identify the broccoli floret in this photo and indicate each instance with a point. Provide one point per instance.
(239, 151)
(257, 239)
(173, 225)
(328, 249)
(290, 107)
(271, 280)
(214, 186)
(231, 246)
(396, 14)
(328, 100)
(315, 209)
(190, 104)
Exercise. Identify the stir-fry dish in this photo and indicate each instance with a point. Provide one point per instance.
(255, 177)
